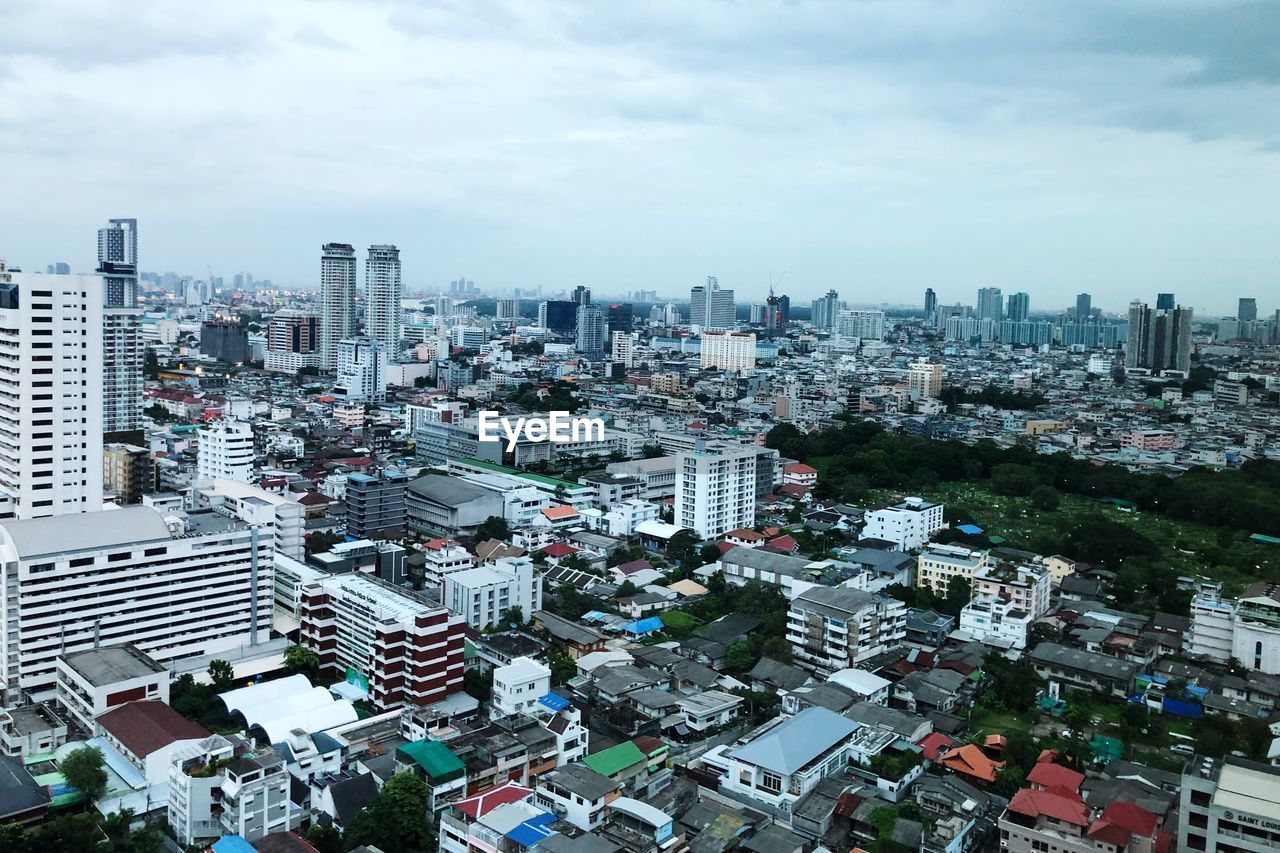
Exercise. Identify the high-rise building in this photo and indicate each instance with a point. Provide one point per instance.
(623, 350)
(225, 341)
(1228, 806)
(1165, 302)
(1084, 307)
(383, 291)
(337, 300)
(50, 394)
(826, 309)
(507, 309)
(128, 472)
(293, 341)
(581, 295)
(861, 323)
(122, 353)
(375, 504)
(715, 491)
(710, 307)
(728, 350)
(924, 379)
(990, 303)
(1019, 306)
(930, 304)
(621, 317)
(558, 316)
(361, 370)
(225, 452)
(775, 319)
(1159, 338)
(1247, 311)
(592, 329)
(191, 584)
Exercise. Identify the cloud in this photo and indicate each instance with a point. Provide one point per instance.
(312, 35)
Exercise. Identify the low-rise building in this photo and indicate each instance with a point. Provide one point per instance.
(518, 686)
(483, 596)
(783, 760)
(908, 525)
(93, 681)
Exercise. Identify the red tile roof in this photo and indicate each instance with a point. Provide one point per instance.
(800, 468)
(1047, 776)
(557, 512)
(934, 744)
(632, 567)
(1131, 817)
(968, 760)
(144, 727)
(783, 543)
(1058, 806)
(558, 549)
(489, 799)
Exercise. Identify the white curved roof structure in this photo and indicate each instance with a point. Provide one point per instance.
(310, 721)
(268, 691)
(306, 699)
(279, 707)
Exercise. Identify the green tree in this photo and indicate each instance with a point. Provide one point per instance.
(302, 660)
(325, 839)
(1045, 498)
(84, 771)
(709, 553)
(959, 591)
(395, 822)
(788, 441)
(777, 648)
(738, 657)
(151, 365)
(123, 838)
(222, 675)
(562, 667)
(493, 527)
(514, 616)
(478, 683)
(625, 589)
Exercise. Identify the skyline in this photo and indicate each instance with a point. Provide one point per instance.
(871, 149)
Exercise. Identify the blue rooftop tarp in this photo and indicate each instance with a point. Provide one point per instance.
(554, 702)
(971, 529)
(533, 830)
(643, 626)
(232, 844)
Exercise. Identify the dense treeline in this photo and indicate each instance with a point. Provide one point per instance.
(863, 456)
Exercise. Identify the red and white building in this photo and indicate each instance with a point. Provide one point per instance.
(799, 474)
(406, 645)
(1148, 439)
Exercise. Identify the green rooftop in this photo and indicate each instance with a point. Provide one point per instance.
(615, 759)
(434, 758)
(553, 482)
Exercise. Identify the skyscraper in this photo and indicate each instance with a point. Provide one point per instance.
(1165, 302)
(582, 295)
(1160, 338)
(558, 315)
(710, 307)
(826, 309)
(337, 300)
(50, 394)
(592, 329)
(990, 303)
(383, 291)
(1248, 310)
(621, 317)
(1019, 306)
(930, 304)
(1084, 307)
(121, 326)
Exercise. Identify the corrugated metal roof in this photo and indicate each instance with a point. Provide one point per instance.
(791, 745)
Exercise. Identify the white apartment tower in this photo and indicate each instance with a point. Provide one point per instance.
(861, 324)
(122, 351)
(226, 451)
(729, 350)
(382, 293)
(180, 586)
(623, 349)
(50, 394)
(362, 374)
(716, 492)
(710, 307)
(337, 299)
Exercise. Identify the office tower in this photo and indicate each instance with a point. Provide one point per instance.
(50, 394)
(1248, 310)
(990, 303)
(122, 354)
(224, 340)
(337, 300)
(1135, 350)
(361, 370)
(1165, 302)
(710, 307)
(558, 316)
(1084, 307)
(382, 293)
(924, 379)
(930, 304)
(128, 472)
(728, 350)
(592, 329)
(191, 584)
(621, 317)
(375, 505)
(784, 310)
(1019, 306)
(507, 309)
(1160, 338)
(225, 451)
(671, 315)
(623, 350)
(715, 491)
(581, 295)
(293, 341)
(861, 323)
(775, 319)
(826, 309)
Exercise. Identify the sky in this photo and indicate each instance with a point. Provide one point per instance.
(873, 148)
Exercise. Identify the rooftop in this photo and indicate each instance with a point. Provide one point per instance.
(129, 526)
(792, 744)
(111, 664)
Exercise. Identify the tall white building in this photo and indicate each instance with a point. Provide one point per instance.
(592, 329)
(362, 374)
(225, 450)
(729, 350)
(623, 350)
(122, 326)
(383, 291)
(825, 309)
(483, 595)
(716, 492)
(710, 307)
(862, 324)
(337, 299)
(175, 586)
(50, 394)
(907, 525)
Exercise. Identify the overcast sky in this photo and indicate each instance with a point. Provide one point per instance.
(873, 148)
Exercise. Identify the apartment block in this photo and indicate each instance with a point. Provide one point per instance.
(837, 628)
(907, 525)
(716, 492)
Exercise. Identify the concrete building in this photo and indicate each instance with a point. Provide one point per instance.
(51, 378)
(406, 645)
(622, 349)
(710, 307)
(861, 324)
(592, 329)
(383, 291)
(907, 525)
(735, 351)
(337, 300)
(128, 472)
(376, 505)
(786, 758)
(483, 595)
(518, 686)
(180, 586)
(924, 380)
(225, 341)
(831, 629)
(1255, 635)
(437, 505)
(716, 492)
(93, 681)
(293, 342)
(1229, 806)
(218, 787)
(121, 326)
(1025, 587)
(825, 310)
(1212, 628)
(225, 451)
(362, 373)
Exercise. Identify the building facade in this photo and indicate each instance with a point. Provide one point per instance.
(715, 492)
(383, 291)
(337, 300)
(728, 351)
(225, 451)
(361, 370)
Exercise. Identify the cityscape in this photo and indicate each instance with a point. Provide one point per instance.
(363, 557)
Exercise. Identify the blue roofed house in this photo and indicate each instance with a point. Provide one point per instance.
(788, 757)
